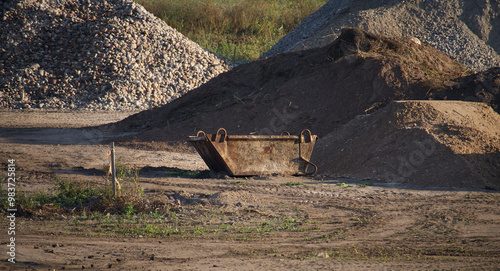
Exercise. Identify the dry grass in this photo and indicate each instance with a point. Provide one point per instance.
(236, 29)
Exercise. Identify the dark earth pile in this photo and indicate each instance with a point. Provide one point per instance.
(318, 89)
(109, 54)
(322, 89)
(479, 87)
(466, 30)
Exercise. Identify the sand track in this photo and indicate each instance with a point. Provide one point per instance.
(321, 224)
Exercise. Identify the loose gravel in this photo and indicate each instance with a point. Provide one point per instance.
(466, 30)
(95, 55)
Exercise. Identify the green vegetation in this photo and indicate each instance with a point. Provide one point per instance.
(67, 194)
(73, 197)
(236, 29)
(91, 210)
(123, 170)
(187, 222)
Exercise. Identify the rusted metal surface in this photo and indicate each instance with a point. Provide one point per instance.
(247, 155)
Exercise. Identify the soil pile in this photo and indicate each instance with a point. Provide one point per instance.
(317, 89)
(466, 30)
(479, 87)
(324, 89)
(431, 143)
(110, 54)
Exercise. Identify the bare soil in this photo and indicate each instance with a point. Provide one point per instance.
(432, 143)
(260, 223)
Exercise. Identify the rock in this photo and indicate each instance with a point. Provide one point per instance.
(108, 49)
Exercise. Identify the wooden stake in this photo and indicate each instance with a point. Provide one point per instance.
(113, 167)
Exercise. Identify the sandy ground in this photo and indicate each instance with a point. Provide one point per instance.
(257, 223)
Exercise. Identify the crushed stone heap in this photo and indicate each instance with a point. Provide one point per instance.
(89, 54)
(466, 30)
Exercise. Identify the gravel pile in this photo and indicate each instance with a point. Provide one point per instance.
(95, 54)
(466, 30)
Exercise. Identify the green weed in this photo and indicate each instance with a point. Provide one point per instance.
(123, 170)
(72, 194)
(129, 210)
(67, 195)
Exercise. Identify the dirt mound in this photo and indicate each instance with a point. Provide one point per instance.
(317, 89)
(110, 54)
(466, 30)
(480, 87)
(339, 92)
(431, 143)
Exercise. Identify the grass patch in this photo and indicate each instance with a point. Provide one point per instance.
(189, 222)
(70, 197)
(236, 29)
(67, 196)
(71, 194)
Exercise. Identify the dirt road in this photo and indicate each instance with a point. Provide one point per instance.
(260, 223)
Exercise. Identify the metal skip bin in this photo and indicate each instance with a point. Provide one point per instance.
(248, 155)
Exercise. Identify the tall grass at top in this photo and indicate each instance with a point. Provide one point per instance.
(236, 29)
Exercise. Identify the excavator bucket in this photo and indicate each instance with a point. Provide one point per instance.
(248, 155)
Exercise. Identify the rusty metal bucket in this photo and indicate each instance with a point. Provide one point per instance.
(247, 155)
